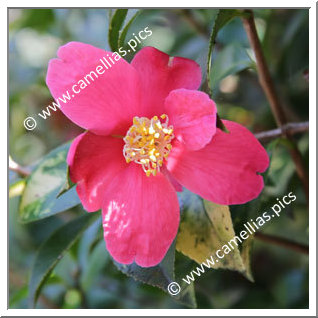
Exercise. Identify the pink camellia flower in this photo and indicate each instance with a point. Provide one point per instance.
(149, 132)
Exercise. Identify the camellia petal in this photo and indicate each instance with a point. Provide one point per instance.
(160, 74)
(226, 171)
(107, 99)
(153, 108)
(93, 162)
(140, 217)
(193, 117)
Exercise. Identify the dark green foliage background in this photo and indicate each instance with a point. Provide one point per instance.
(86, 277)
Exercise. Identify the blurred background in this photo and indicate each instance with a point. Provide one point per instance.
(86, 276)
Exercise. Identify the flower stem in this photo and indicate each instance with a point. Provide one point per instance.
(282, 242)
(21, 171)
(290, 128)
(267, 85)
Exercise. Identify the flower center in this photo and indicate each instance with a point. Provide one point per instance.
(148, 142)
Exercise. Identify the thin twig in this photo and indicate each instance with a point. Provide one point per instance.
(263, 72)
(21, 171)
(200, 28)
(282, 242)
(290, 128)
(271, 94)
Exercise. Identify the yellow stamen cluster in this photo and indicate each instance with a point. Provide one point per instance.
(148, 142)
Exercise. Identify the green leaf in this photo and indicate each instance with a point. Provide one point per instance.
(67, 185)
(53, 249)
(220, 124)
(277, 177)
(204, 228)
(16, 189)
(246, 251)
(37, 19)
(116, 22)
(160, 276)
(230, 60)
(123, 33)
(39, 199)
(96, 262)
(17, 297)
(224, 16)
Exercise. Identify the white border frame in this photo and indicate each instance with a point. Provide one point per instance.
(312, 164)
